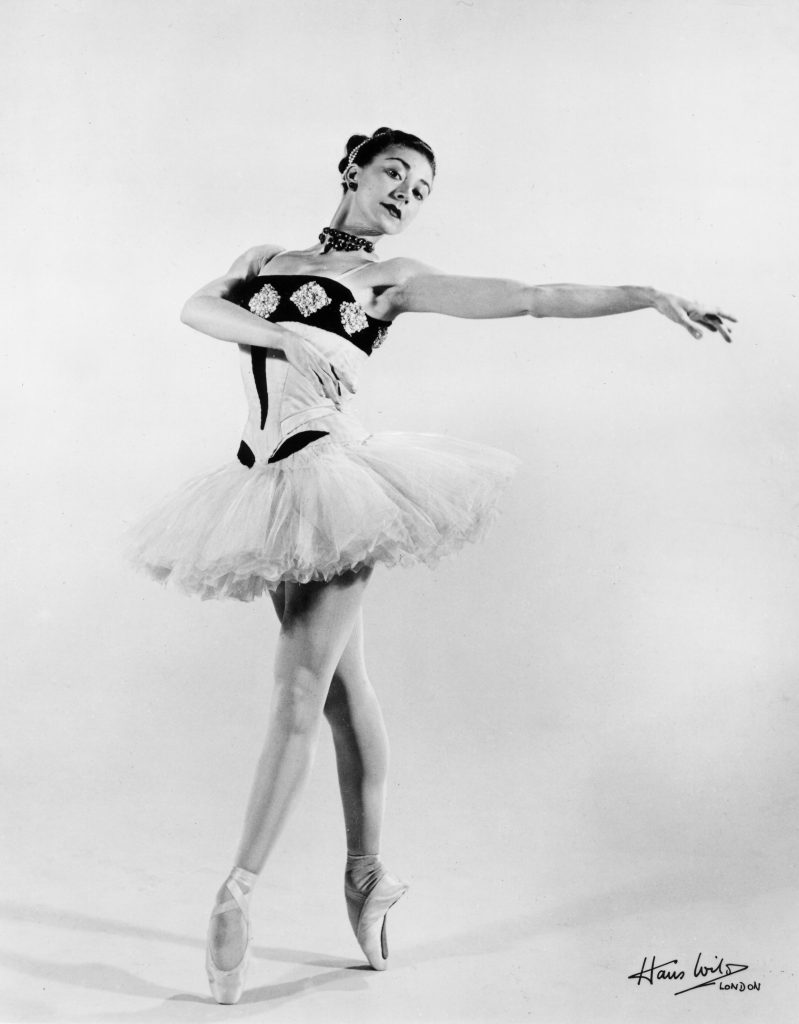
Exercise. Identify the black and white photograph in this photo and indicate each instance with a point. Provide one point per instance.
(401, 506)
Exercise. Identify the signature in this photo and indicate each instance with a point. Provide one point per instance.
(669, 970)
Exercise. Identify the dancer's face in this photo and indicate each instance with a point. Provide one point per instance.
(393, 188)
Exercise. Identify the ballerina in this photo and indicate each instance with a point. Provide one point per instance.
(314, 501)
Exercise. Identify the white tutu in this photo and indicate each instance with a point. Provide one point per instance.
(392, 498)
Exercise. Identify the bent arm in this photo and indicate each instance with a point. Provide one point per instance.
(211, 311)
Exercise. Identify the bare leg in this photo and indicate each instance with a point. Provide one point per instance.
(317, 621)
(361, 745)
(359, 736)
(360, 740)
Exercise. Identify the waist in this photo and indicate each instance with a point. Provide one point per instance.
(267, 446)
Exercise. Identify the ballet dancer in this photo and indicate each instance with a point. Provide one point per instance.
(313, 501)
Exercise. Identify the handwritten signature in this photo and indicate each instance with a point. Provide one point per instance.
(651, 971)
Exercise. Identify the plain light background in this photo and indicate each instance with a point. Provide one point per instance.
(593, 713)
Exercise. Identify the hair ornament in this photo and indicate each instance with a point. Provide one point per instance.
(353, 154)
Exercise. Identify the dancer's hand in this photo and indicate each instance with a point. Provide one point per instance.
(691, 315)
(329, 380)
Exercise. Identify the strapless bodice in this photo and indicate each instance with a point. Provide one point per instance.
(323, 302)
(283, 404)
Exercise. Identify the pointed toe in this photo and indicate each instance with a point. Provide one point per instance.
(227, 985)
(368, 917)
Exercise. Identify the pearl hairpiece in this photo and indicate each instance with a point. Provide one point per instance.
(354, 153)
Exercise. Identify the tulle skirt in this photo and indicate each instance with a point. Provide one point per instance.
(392, 498)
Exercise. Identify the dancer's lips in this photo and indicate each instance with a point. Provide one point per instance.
(395, 211)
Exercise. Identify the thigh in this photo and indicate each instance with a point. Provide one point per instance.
(278, 597)
(318, 619)
(351, 668)
(350, 686)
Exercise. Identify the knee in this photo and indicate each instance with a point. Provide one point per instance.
(300, 696)
(347, 692)
(336, 702)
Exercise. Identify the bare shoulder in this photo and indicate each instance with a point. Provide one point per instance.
(248, 265)
(398, 277)
(398, 271)
(251, 262)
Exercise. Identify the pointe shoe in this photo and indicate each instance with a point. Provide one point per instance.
(227, 986)
(368, 913)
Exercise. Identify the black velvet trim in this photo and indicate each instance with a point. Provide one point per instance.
(328, 318)
(296, 442)
(245, 455)
(258, 357)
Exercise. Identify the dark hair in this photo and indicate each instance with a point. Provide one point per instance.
(372, 145)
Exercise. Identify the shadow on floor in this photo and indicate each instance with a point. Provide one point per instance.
(338, 972)
(668, 890)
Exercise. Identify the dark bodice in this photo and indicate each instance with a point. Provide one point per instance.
(322, 302)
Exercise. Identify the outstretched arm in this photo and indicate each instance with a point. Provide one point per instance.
(422, 289)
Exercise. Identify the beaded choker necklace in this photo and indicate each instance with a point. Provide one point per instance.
(342, 241)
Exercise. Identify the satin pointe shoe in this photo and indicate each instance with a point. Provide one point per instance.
(228, 985)
(367, 913)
